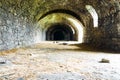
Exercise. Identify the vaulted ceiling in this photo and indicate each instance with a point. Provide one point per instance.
(36, 8)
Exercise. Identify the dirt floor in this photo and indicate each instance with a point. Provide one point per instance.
(48, 61)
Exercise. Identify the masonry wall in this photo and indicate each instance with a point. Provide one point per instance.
(18, 19)
(14, 31)
(109, 31)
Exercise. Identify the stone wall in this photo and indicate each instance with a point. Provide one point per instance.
(16, 24)
(15, 32)
(18, 19)
(109, 30)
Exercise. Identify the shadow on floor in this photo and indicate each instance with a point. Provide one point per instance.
(93, 48)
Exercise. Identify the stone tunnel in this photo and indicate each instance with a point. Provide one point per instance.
(26, 22)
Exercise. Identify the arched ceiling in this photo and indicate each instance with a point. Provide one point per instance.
(102, 7)
(23, 15)
(36, 8)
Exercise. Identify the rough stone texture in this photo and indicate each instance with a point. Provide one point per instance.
(14, 32)
(16, 29)
(18, 19)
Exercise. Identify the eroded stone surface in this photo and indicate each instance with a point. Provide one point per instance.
(18, 19)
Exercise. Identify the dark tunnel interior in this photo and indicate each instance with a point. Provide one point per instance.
(60, 32)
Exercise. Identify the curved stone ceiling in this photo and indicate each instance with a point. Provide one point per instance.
(20, 20)
(62, 18)
(36, 8)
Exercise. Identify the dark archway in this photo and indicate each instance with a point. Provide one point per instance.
(60, 32)
(63, 11)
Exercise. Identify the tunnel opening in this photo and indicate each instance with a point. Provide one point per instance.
(60, 32)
